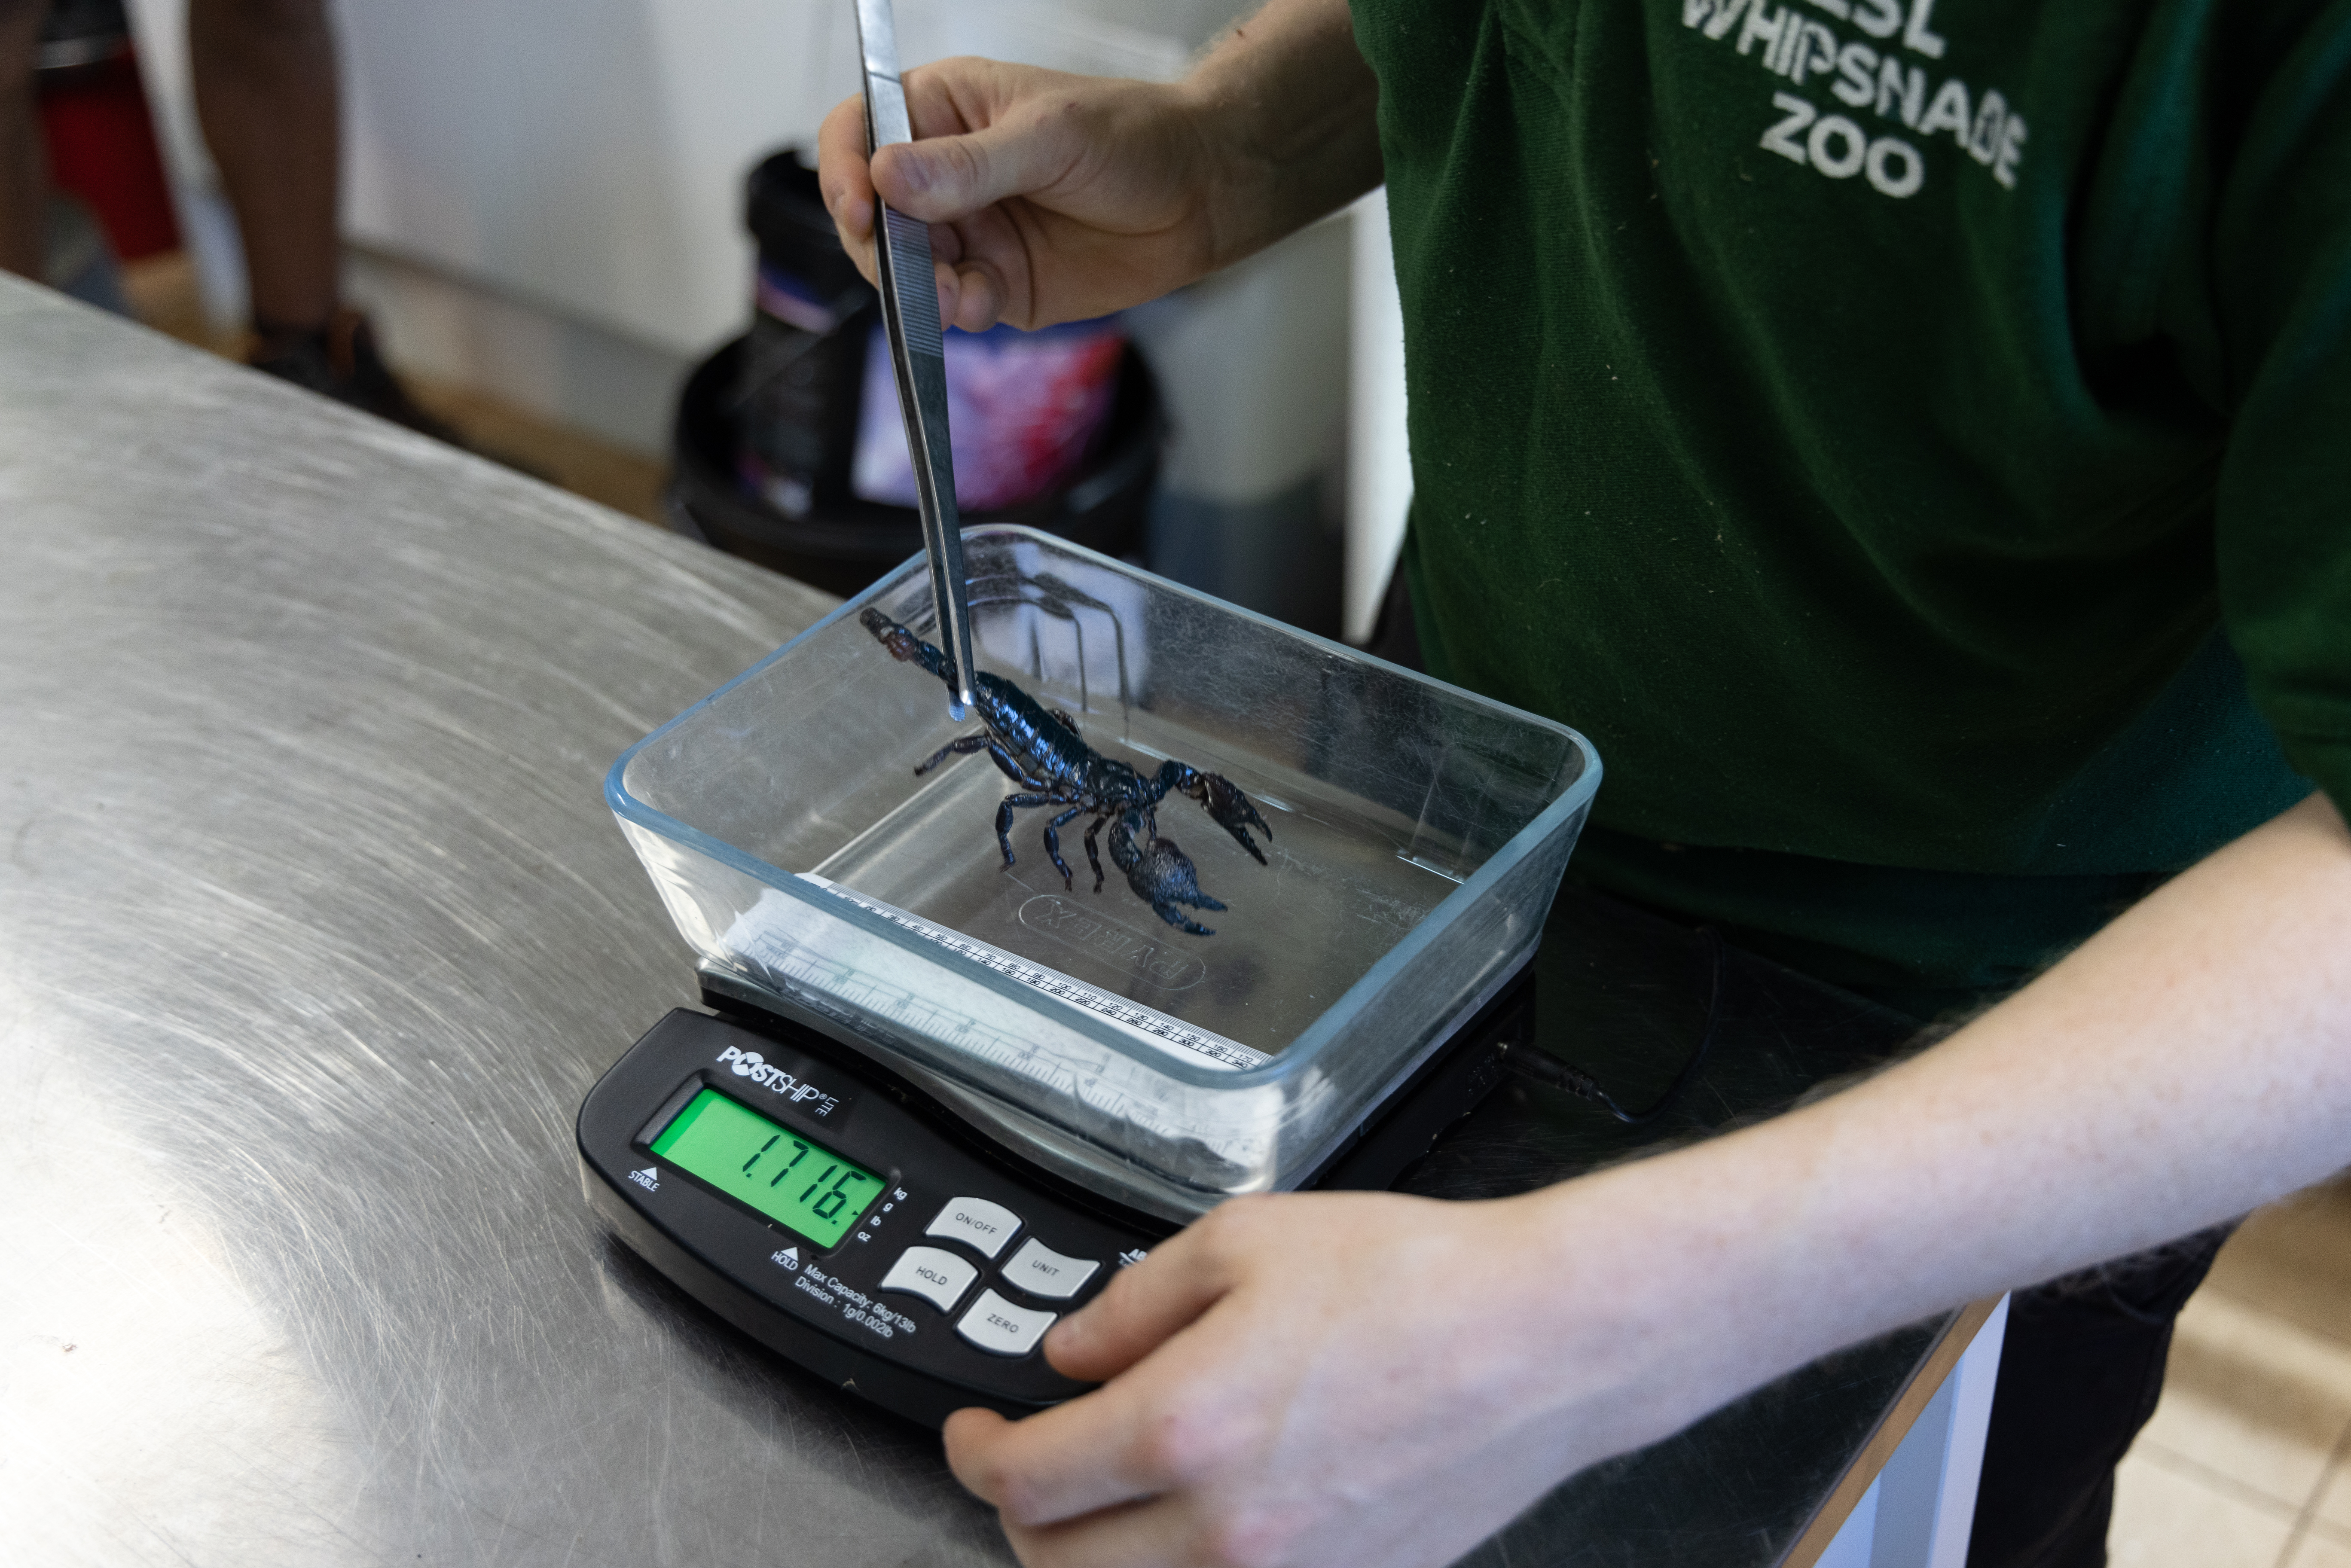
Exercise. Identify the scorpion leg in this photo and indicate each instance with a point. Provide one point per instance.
(1094, 852)
(1053, 841)
(966, 746)
(1004, 821)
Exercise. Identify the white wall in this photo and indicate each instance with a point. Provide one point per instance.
(543, 199)
(587, 156)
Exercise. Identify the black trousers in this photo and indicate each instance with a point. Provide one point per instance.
(2080, 1371)
(2079, 1375)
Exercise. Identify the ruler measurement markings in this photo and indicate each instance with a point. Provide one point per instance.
(1143, 1021)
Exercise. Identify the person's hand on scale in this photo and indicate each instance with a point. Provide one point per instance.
(1370, 1379)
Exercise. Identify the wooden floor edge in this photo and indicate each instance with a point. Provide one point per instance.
(1933, 1369)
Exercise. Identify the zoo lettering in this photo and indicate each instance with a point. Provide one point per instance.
(1790, 44)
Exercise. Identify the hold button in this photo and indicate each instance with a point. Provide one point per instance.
(976, 1222)
(941, 1278)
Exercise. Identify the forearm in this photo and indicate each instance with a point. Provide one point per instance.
(1291, 110)
(1276, 1390)
(2189, 1063)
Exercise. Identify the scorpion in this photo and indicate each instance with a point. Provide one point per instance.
(1040, 750)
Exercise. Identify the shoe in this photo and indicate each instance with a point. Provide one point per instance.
(341, 361)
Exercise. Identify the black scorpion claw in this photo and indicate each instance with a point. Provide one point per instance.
(1175, 917)
(1162, 875)
(1165, 877)
(1231, 810)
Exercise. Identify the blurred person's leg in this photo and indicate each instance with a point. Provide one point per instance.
(269, 99)
(23, 183)
(266, 96)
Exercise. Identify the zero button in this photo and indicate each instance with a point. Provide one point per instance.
(997, 1325)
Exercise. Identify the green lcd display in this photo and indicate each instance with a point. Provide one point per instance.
(783, 1175)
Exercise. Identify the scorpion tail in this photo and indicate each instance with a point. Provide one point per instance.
(905, 646)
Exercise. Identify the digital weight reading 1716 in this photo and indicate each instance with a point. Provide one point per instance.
(792, 1180)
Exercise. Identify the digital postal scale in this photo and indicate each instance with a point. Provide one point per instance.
(868, 1234)
(941, 1100)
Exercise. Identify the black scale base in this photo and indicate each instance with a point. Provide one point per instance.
(936, 1296)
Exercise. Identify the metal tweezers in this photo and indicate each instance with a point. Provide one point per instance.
(910, 313)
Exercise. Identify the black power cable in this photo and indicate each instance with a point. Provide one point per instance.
(1557, 1074)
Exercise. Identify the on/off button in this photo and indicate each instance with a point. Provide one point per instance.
(976, 1222)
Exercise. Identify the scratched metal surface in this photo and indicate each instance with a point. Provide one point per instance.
(314, 929)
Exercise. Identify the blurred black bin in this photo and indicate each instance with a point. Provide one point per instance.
(837, 541)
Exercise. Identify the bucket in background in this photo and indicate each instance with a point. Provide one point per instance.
(1023, 411)
(788, 443)
(789, 448)
(804, 362)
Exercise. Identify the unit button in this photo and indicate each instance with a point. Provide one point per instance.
(976, 1222)
(938, 1277)
(996, 1325)
(1041, 1272)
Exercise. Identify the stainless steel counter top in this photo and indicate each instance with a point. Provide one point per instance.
(314, 930)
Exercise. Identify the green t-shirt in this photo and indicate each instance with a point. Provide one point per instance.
(1913, 441)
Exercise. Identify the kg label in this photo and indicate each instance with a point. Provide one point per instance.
(750, 1064)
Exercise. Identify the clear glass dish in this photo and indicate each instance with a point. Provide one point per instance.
(1418, 834)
